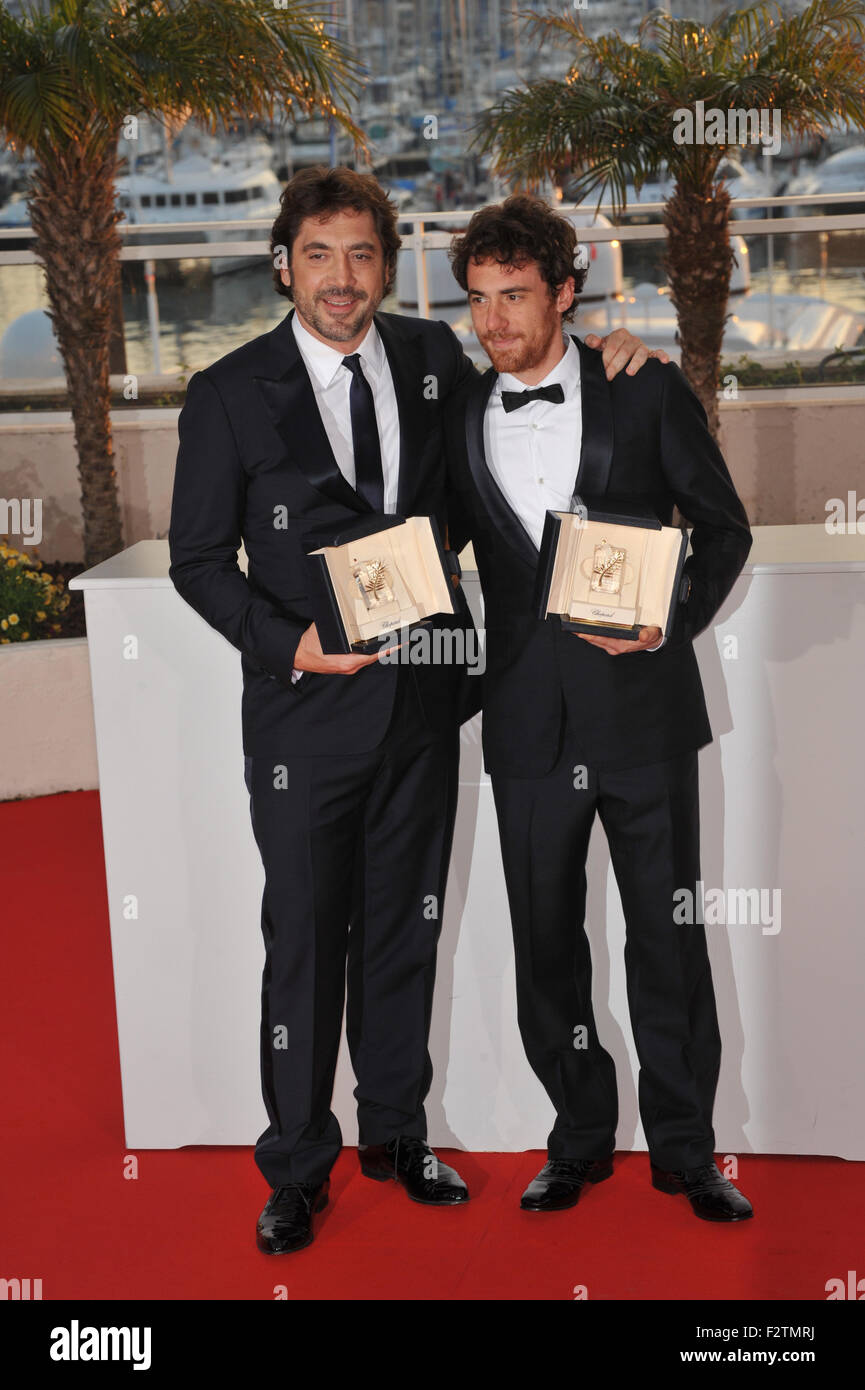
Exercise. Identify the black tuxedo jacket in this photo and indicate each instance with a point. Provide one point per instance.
(255, 463)
(645, 446)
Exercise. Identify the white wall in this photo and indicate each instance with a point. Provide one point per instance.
(781, 809)
(788, 452)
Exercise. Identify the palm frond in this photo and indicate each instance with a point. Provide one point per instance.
(611, 119)
(85, 65)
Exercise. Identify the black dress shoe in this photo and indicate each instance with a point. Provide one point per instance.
(559, 1183)
(713, 1197)
(286, 1222)
(412, 1162)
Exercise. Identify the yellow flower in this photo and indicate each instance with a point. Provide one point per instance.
(3, 624)
(40, 616)
(13, 618)
(5, 640)
(10, 564)
(24, 636)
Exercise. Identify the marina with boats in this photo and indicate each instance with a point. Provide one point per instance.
(432, 70)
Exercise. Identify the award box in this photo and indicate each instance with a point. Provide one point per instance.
(381, 575)
(610, 575)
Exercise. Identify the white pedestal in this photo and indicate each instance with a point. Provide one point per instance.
(782, 809)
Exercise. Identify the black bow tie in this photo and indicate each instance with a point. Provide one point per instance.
(512, 400)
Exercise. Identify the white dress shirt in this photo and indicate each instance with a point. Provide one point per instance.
(534, 452)
(331, 383)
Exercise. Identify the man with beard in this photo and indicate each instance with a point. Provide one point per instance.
(351, 763)
(576, 725)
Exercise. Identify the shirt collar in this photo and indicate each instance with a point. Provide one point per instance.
(325, 362)
(566, 371)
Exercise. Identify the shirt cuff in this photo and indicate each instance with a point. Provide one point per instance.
(296, 675)
(659, 645)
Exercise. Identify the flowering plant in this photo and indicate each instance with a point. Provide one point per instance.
(29, 598)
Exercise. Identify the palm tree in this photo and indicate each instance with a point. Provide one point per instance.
(72, 75)
(613, 119)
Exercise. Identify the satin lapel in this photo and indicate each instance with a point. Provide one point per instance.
(506, 520)
(596, 447)
(406, 362)
(290, 401)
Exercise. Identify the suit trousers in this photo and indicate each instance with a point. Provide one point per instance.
(355, 851)
(650, 816)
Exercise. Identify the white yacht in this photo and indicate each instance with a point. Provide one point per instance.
(202, 189)
(840, 173)
(742, 182)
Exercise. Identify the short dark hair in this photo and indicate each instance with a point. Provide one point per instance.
(523, 228)
(320, 192)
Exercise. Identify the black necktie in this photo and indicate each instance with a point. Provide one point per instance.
(512, 400)
(369, 478)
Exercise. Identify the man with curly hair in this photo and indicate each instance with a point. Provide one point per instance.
(578, 725)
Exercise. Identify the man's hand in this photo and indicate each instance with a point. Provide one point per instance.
(621, 348)
(310, 657)
(619, 646)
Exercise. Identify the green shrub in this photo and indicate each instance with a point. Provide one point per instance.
(29, 597)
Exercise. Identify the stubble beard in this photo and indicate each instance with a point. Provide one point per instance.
(522, 356)
(336, 330)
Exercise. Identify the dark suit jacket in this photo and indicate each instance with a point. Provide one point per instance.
(645, 446)
(253, 449)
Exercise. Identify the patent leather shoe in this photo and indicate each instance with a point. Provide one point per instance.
(560, 1183)
(413, 1163)
(712, 1196)
(286, 1222)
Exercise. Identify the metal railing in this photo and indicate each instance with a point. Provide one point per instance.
(419, 240)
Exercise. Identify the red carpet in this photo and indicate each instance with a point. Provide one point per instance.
(185, 1228)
